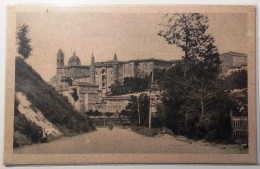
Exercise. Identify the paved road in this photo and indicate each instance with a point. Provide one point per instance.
(125, 141)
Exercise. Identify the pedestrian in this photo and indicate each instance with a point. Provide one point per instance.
(110, 126)
(44, 137)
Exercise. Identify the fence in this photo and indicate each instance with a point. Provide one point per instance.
(240, 129)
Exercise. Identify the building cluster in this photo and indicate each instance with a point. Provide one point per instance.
(93, 82)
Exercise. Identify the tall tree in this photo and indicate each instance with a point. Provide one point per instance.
(188, 31)
(23, 41)
(132, 109)
(195, 102)
(144, 106)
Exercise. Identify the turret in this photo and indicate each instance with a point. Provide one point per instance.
(115, 58)
(92, 70)
(92, 59)
(60, 59)
(115, 68)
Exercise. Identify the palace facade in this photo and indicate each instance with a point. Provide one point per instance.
(93, 82)
(233, 62)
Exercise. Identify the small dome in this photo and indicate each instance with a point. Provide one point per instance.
(74, 60)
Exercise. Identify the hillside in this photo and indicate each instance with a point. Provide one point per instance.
(38, 107)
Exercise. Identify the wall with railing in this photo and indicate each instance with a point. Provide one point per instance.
(239, 129)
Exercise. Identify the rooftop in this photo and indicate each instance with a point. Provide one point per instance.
(110, 62)
(77, 67)
(235, 54)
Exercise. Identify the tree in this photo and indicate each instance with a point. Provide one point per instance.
(124, 113)
(109, 114)
(237, 80)
(74, 95)
(90, 113)
(93, 113)
(131, 85)
(192, 101)
(138, 109)
(23, 41)
(188, 31)
(117, 88)
(132, 108)
(193, 107)
(144, 106)
(97, 113)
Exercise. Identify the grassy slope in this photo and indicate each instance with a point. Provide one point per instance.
(53, 106)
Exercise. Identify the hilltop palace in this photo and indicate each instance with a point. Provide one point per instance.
(93, 82)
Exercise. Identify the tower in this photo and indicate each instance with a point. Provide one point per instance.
(92, 69)
(115, 68)
(60, 59)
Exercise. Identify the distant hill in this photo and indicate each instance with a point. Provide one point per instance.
(39, 108)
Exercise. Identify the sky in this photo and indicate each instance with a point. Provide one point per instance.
(129, 35)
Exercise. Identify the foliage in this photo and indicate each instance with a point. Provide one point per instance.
(25, 132)
(144, 106)
(132, 109)
(93, 113)
(240, 103)
(197, 108)
(151, 132)
(130, 85)
(109, 114)
(74, 95)
(237, 80)
(23, 41)
(195, 101)
(124, 113)
(138, 108)
(53, 105)
(188, 31)
(144, 131)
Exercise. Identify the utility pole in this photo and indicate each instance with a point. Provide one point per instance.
(150, 113)
(139, 116)
(150, 106)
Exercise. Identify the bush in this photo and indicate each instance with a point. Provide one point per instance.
(20, 140)
(25, 131)
(151, 132)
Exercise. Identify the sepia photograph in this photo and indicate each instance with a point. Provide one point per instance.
(130, 84)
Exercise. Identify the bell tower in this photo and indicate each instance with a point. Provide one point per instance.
(60, 59)
(115, 68)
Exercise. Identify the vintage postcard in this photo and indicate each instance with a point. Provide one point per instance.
(130, 84)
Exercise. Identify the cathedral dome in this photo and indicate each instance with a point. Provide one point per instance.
(74, 60)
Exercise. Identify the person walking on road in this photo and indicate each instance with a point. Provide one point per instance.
(110, 126)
